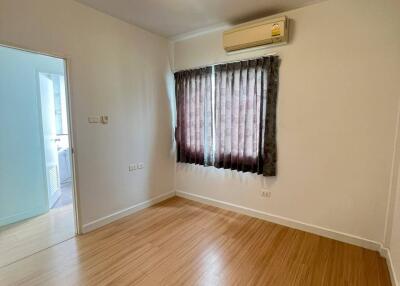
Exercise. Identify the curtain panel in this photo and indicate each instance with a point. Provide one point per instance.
(193, 132)
(245, 115)
(232, 126)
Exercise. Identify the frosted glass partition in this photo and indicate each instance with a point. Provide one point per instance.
(23, 187)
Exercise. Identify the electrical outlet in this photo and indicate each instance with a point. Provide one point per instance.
(140, 165)
(266, 194)
(132, 167)
(104, 119)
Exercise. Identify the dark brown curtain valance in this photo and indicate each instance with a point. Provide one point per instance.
(194, 114)
(241, 110)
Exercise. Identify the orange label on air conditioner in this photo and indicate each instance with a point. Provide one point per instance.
(276, 30)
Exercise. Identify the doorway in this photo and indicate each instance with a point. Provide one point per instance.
(56, 139)
(36, 166)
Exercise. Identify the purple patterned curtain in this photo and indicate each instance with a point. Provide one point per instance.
(241, 110)
(194, 116)
(245, 115)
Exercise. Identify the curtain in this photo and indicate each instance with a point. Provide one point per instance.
(193, 132)
(245, 115)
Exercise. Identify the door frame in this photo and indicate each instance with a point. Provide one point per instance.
(67, 63)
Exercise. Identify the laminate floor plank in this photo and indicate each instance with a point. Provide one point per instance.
(181, 242)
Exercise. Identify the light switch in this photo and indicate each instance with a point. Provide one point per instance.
(93, 119)
(132, 167)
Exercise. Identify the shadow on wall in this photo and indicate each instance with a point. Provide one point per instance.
(170, 89)
(205, 173)
(255, 16)
(161, 166)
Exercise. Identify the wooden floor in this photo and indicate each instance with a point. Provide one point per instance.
(179, 242)
(24, 238)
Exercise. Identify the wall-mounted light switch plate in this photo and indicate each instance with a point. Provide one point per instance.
(132, 167)
(93, 119)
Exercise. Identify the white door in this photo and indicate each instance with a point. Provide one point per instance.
(50, 138)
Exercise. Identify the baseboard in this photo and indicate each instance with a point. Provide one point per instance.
(125, 212)
(385, 252)
(325, 232)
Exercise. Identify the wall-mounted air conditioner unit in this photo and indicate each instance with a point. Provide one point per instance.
(256, 33)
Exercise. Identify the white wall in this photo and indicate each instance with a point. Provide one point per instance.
(337, 106)
(117, 70)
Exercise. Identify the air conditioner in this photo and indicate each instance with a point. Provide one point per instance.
(256, 33)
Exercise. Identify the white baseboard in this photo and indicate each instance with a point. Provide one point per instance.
(125, 212)
(385, 252)
(325, 232)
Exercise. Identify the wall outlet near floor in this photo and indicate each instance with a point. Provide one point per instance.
(266, 194)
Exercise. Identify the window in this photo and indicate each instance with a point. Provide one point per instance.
(226, 115)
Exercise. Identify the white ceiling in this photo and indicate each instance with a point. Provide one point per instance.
(171, 18)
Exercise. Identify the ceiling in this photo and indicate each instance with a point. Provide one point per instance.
(170, 18)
